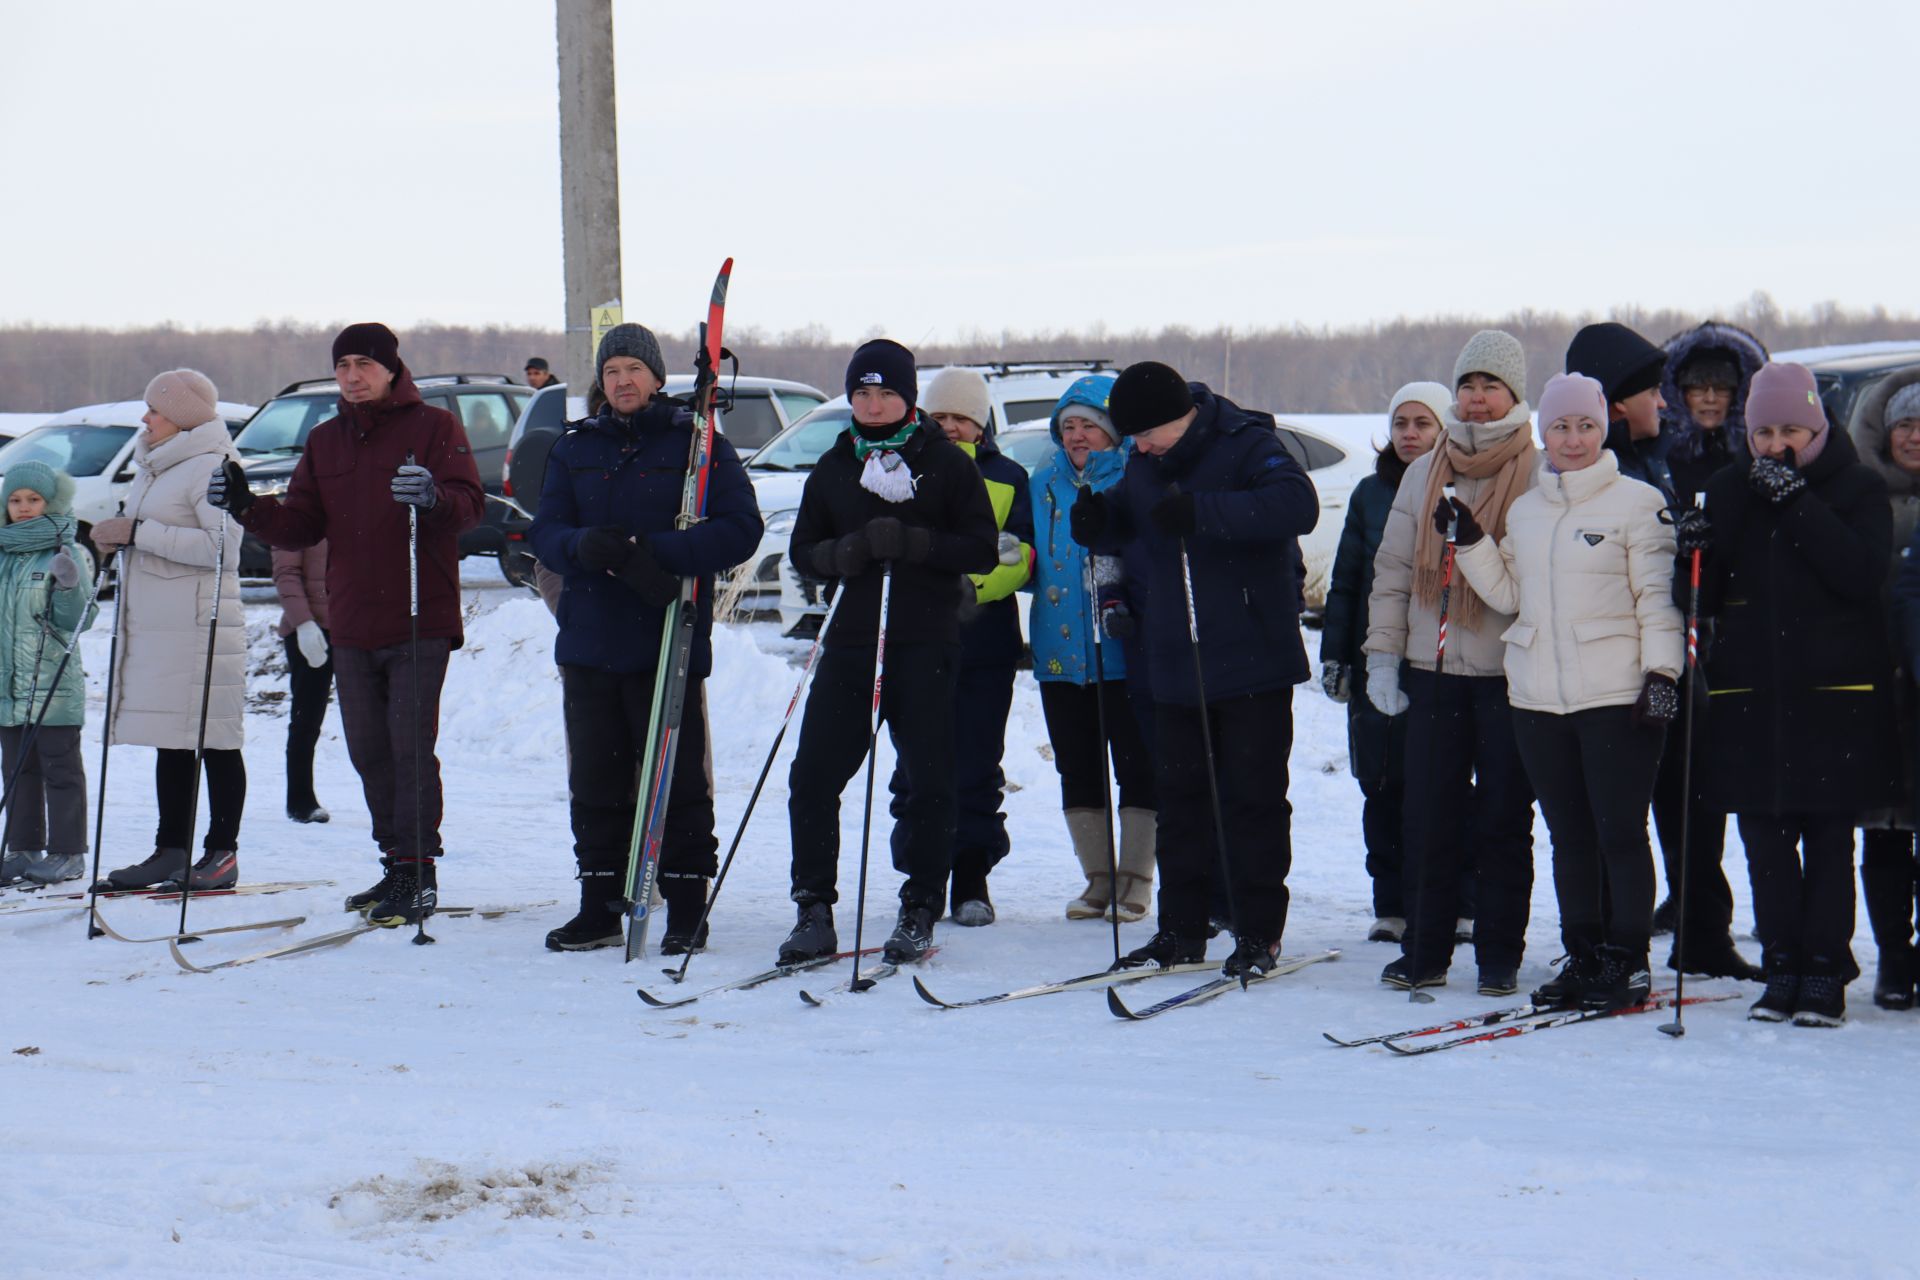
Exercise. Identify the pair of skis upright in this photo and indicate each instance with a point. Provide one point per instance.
(676, 641)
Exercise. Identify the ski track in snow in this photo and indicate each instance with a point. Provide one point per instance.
(486, 1108)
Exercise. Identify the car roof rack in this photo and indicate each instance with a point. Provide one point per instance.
(1014, 368)
(424, 380)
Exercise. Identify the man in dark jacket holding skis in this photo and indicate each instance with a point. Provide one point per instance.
(385, 452)
(891, 494)
(1217, 506)
(608, 524)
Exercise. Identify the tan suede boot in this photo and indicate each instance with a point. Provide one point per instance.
(1137, 845)
(1087, 828)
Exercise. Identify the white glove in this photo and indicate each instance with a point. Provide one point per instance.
(312, 642)
(1009, 549)
(1383, 684)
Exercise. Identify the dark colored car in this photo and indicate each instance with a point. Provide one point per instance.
(1845, 374)
(487, 405)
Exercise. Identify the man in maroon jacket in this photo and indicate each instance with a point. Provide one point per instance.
(384, 453)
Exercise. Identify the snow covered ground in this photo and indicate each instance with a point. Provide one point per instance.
(485, 1108)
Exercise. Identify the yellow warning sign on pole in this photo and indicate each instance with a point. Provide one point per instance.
(606, 315)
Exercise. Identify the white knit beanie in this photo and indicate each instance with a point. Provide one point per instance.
(1431, 394)
(961, 391)
(184, 397)
(1496, 353)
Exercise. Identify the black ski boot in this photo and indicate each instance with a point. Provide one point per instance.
(413, 891)
(686, 902)
(912, 935)
(1565, 989)
(1251, 959)
(1782, 996)
(1166, 948)
(598, 922)
(1399, 975)
(365, 899)
(1822, 1001)
(164, 865)
(217, 869)
(812, 935)
(1714, 958)
(1621, 979)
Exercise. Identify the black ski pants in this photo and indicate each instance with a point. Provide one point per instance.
(48, 807)
(1465, 778)
(1252, 737)
(1376, 752)
(1709, 896)
(1080, 755)
(606, 715)
(983, 696)
(1888, 883)
(917, 705)
(1801, 869)
(176, 788)
(1593, 771)
(312, 689)
(387, 733)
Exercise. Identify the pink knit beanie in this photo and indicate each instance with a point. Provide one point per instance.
(1572, 395)
(183, 397)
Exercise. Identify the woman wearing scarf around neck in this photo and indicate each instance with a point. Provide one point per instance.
(1469, 806)
(1592, 664)
(892, 490)
(46, 597)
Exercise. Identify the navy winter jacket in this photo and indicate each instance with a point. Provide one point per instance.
(1252, 502)
(605, 471)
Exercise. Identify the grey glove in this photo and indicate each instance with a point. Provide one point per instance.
(1009, 549)
(65, 571)
(413, 485)
(1383, 684)
(1335, 678)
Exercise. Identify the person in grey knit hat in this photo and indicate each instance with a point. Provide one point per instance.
(1498, 354)
(635, 341)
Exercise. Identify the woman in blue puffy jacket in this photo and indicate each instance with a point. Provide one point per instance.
(1074, 687)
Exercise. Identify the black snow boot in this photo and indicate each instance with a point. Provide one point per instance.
(1778, 1001)
(365, 899)
(1893, 979)
(413, 891)
(1714, 958)
(686, 902)
(812, 935)
(971, 907)
(1888, 890)
(1822, 1000)
(1251, 959)
(1621, 979)
(163, 866)
(1399, 975)
(1565, 989)
(1167, 948)
(912, 935)
(598, 923)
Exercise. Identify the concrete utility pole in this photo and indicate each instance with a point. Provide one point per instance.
(589, 176)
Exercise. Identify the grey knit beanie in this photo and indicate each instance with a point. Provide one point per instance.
(1497, 354)
(1905, 404)
(632, 340)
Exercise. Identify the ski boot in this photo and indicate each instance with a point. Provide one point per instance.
(217, 869)
(686, 903)
(413, 891)
(598, 922)
(1166, 948)
(17, 864)
(812, 935)
(1621, 979)
(912, 935)
(365, 899)
(1400, 976)
(1251, 959)
(163, 866)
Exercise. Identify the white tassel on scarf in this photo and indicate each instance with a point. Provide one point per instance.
(886, 474)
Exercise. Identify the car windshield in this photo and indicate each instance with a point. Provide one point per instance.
(800, 445)
(75, 448)
(282, 425)
(1028, 448)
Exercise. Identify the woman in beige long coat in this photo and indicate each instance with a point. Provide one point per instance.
(173, 539)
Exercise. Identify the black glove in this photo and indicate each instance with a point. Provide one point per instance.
(649, 581)
(1335, 679)
(969, 600)
(888, 539)
(1118, 621)
(1173, 515)
(1659, 702)
(851, 555)
(1452, 511)
(1776, 479)
(227, 489)
(1088, 517)
(1693, 531)
(604, 549)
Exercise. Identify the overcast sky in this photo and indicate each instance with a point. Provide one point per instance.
(931, 170)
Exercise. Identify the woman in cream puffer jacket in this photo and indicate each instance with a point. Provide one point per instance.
(1592, 660)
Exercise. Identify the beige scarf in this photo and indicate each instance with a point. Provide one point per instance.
(1506, 464)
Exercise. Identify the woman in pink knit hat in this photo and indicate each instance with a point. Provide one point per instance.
(1800, 721)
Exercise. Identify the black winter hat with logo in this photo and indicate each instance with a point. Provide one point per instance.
(1620, 360)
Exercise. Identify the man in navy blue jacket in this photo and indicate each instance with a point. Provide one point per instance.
(1211, 487)
(606, 523)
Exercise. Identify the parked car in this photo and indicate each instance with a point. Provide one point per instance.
(756, 411)
(487, 405)
(94, 445)
(1844, 374)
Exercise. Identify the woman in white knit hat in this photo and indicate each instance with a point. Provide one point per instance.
(172, 540)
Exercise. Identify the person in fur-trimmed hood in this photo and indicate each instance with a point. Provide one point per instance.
(1705, 388)
(1886, 431)
(1463, 769)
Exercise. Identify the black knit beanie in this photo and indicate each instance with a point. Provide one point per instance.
(1147, 395)
(372, 340)
(884, 363)
(1620, 360)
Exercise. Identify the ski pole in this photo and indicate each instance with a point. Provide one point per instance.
(1106, 775)
(1206, 733)
(106, 740)
(420, 936)
(873, 748)
(1678, 1026)
(200, 743)
(679, 974)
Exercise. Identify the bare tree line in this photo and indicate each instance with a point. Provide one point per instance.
(1296, 370)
